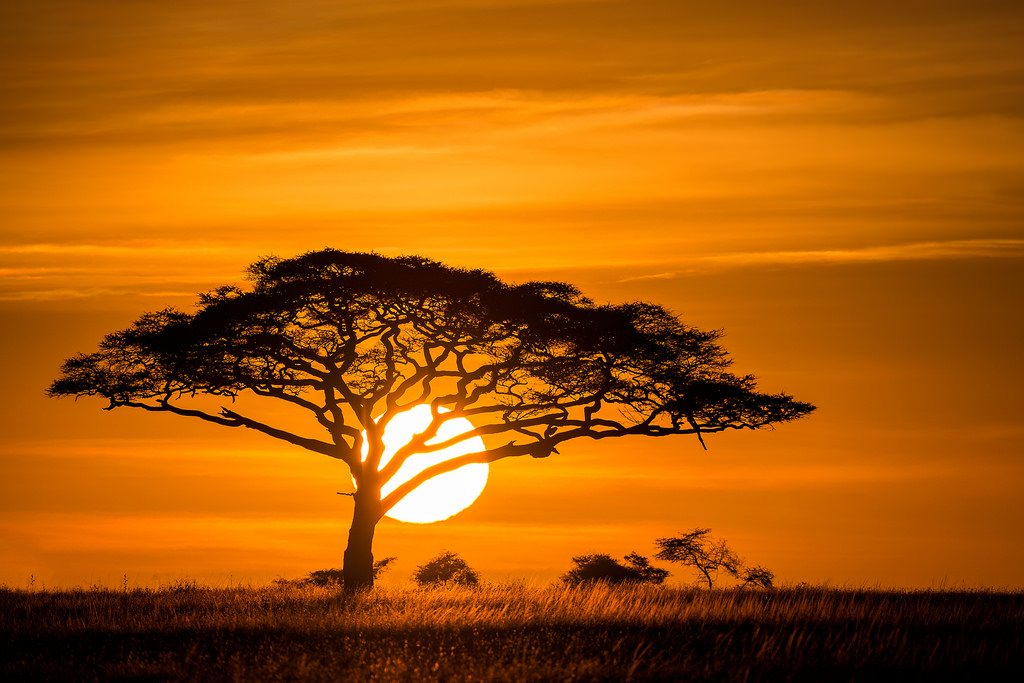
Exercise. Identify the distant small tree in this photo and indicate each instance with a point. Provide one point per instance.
(447, 567)
(602, 567)
(757, 576)
(700, 550)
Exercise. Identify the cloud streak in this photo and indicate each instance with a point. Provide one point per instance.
(927, 251)
(158, 271)
(921, 251)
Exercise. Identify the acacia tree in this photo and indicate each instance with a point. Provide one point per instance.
(697, 548)
(350, 340)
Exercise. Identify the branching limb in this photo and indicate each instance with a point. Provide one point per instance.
(341, 452)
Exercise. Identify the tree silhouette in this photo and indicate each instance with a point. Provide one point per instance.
(350, 340)
(699, 549)
(603, 567)
(757, 576)
(446, 568)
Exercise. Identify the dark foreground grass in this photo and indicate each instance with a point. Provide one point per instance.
(510, 633)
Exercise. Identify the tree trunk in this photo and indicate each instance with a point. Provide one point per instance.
(358, 567)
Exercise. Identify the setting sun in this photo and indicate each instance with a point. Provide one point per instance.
(442, 496)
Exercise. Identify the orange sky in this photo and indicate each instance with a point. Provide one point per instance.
(840, 186)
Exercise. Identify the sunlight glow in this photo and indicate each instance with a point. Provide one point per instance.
(444, 495)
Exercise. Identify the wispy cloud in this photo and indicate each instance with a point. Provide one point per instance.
(161, 271)
(994, 248)
(919, 251)
(121, 250)
(55, 272)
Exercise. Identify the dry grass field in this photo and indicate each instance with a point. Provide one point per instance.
(509, 633)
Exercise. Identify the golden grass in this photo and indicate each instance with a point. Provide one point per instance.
(509, 633)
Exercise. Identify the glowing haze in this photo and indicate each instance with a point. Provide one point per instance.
(838, 185)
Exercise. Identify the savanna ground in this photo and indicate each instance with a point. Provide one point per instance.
(509, 633)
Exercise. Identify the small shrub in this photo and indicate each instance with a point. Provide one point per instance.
(602, 567)
(381, 566)
(334, 577)
(446, 568)
(325, 577)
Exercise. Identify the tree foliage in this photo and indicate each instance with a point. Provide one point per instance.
(446, 568)
(600, 567)
(349, 340)
(697, 548)
(758, 576)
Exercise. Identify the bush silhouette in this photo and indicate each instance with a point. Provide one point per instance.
(602, 567)
(334, 577)
(446, 568)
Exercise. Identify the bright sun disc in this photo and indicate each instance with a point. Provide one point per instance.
(444, 495)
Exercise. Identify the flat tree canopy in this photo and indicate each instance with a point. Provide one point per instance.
(353, 339)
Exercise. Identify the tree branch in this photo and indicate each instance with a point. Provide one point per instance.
(339, 451)
(452, 464)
